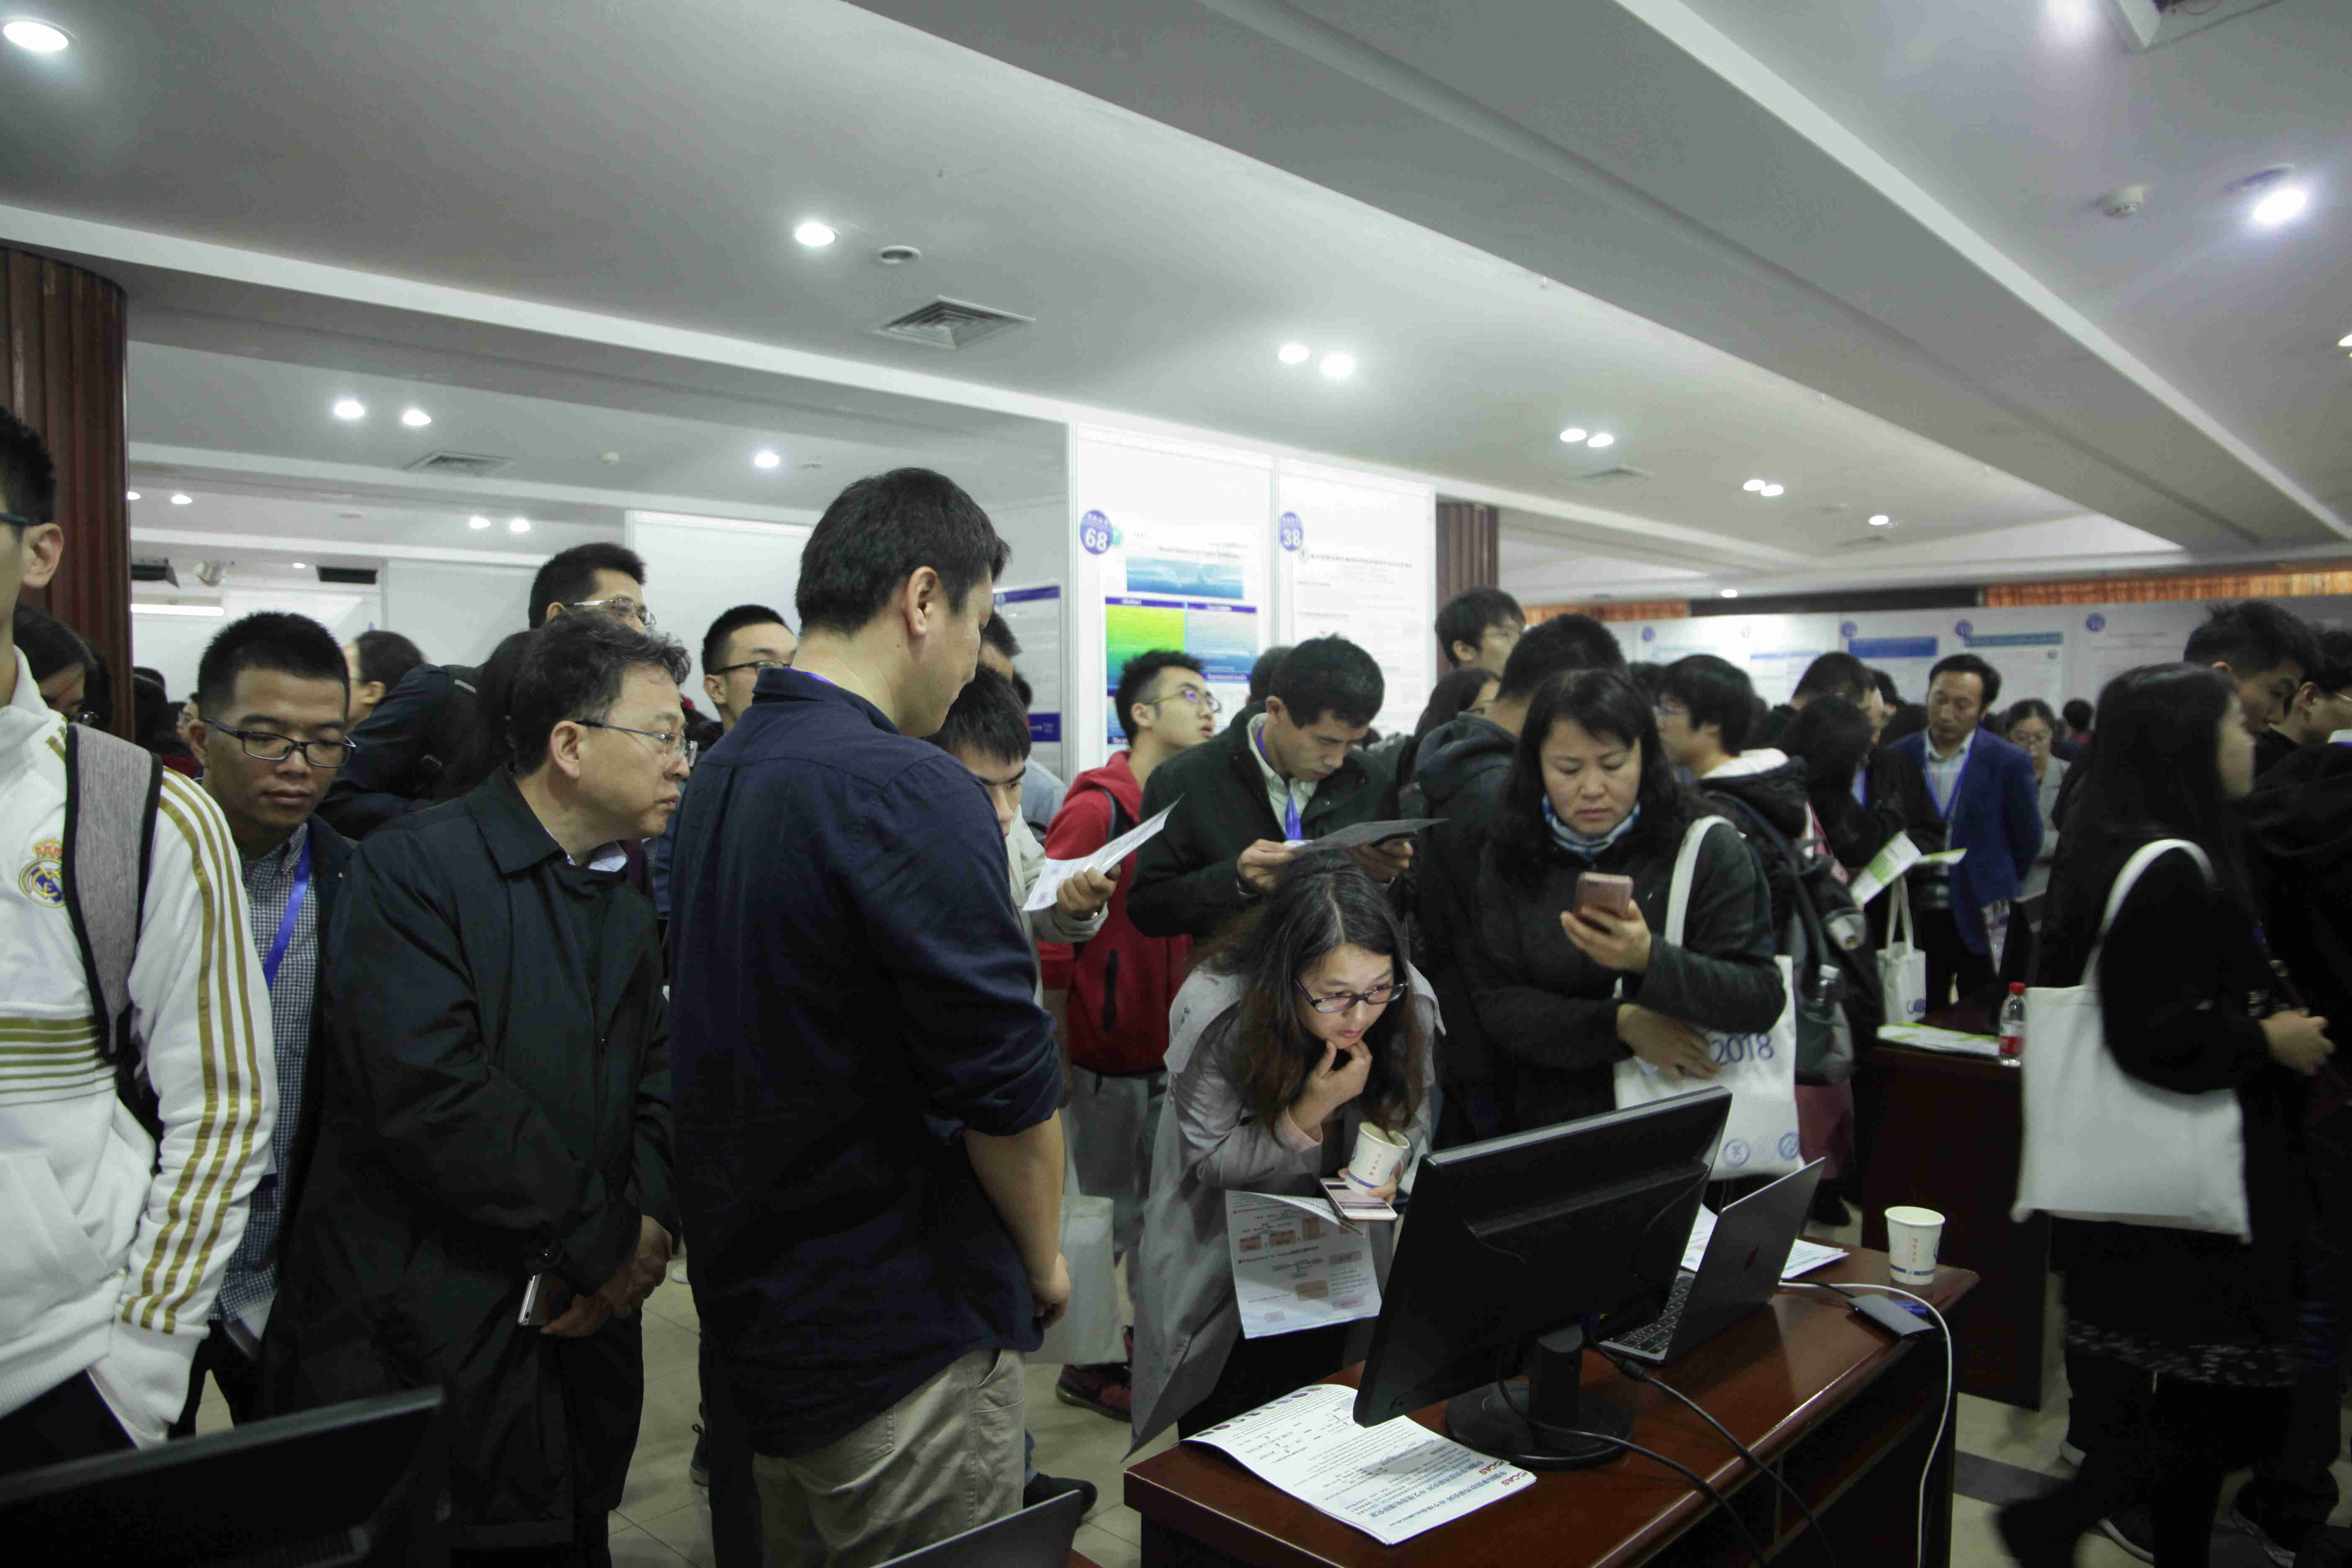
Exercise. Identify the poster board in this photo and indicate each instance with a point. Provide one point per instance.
(1356, 555)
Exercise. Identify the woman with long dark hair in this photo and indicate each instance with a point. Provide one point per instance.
(1290, 1035)
(2192, 1003)
(1564, 993)
(1470, 689)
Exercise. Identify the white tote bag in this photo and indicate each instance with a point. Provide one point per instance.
(1760, 1137)
(2101, 1145)
(1902, 964)
(1091, 1331)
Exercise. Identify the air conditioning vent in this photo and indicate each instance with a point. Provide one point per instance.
(949, 324)
(158, 570)
(1616, 475)
(460, 465)
(362, 575)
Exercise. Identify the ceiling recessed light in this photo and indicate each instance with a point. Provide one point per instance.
(1574, 434)
(1752, 486)
(1879, 520)
(2345, 341)
(1338, 368)
(1293, 354)
(898, 254)
(518, 525)
(297, 566)
(416, 418)
(1600, 438)
(478, 522)
(766, 460)
(36, 37)
(130, 495)
(181, 498)
(1770, 490)
(1731, 593)
(815, 234)
(350, 408)
(2286, 202)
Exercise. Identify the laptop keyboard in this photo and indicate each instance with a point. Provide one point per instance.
(1653, 1339)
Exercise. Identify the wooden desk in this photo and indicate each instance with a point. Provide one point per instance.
(1844, 1413)
(1944, 1132)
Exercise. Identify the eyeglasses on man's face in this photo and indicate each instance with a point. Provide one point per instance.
(265, 747)
(761, 665)
(1206, 701)
(668, 743)
(619, 609)
(1340, 1000)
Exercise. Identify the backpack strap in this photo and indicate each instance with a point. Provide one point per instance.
(1121, 825)
(1678, 892)
(111, 787)
(2128, 879)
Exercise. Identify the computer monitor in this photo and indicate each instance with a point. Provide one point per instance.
(1517, 1252)
(360, 1482)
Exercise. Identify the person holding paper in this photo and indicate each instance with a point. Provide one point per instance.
(2201, 1330)
(1984, 791)
(1259, 791)
(1111, 994)
(1566, 988)
(1307, 1025)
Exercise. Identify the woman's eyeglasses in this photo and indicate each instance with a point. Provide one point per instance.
(1378, 996)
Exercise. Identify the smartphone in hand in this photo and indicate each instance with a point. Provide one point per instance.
(1604, 890)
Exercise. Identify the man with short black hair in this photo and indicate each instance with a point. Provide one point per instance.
(1831, 675)
(377, 662)
(1041, 789)
(494, 1134)
(742, 644)
(2321, 706)
(1289, 776)
(1479, 626)
(132, 1138)
(868, 1089)
(1261, 682)
(2264, 649)
(1460, 772)
(410, 749)
(1985, 790)
(271, 693)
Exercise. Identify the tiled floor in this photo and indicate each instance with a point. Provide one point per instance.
(663, 1518)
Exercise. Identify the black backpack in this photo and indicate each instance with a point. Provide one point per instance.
(1839, 1002)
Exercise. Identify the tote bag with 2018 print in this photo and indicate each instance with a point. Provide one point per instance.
(2100, 1144)
(1759, 1136)
(1903, 963)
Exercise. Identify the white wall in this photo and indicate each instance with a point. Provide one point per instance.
(173, 645)
(697, 568)
(455, 613)
(2055, 652)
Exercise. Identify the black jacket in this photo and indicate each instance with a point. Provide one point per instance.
(1458, 778)
(409, 749)
(494, 1101)
(330, 861)
(1185, 884)
(1550, 1012)
(2300, 819)
(2183, 986)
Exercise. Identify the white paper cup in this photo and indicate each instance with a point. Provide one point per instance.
(1912, 1236)
(1378, 1154)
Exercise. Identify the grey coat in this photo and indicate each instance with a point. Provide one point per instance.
(1186, 1318)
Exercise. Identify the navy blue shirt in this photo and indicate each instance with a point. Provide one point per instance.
(851, 990)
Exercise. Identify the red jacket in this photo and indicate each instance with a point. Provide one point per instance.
(1122, 982)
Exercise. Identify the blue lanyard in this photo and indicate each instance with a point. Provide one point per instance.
(277, 955)
(1968, 753)
(1290, 828)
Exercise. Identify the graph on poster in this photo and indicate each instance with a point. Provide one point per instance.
(1222, 636)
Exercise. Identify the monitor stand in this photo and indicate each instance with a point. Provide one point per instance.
(1540, 1426)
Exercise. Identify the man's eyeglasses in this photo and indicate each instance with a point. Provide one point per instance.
(264, 747)
(1206, 701)
(19, 521)
(667, 742)
(1378, 996)
(761, 665)
(626, 609)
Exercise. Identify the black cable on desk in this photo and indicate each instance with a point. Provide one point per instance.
(1746, 1536)
(1634, 1371)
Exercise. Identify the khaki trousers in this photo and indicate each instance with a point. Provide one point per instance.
(944, 1460)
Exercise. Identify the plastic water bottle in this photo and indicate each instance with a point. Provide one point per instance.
(2012, 1021)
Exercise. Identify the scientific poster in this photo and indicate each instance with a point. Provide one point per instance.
(1357, 556)
(1222, 636)
(1035, 616)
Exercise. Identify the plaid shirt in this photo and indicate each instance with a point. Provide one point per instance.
(252, 1278)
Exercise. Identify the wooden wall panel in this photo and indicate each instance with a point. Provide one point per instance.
(62, 330)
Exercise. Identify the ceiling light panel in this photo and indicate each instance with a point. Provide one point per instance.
(1293, 354)
(350, 408)
(1338, 367)
(1599, 440)
(2281, 205)
(815, 234)
(416, 418)
(478, 522)
(766, 460)
(1574, 434)
(518, 525)
(36, 37)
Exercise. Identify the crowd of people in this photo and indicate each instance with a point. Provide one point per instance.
(375, 1022)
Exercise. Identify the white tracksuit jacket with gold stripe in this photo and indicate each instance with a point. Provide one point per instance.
(109, 1256)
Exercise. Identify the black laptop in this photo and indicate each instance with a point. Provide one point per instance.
(1036, 1537)
(1741, 1271)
